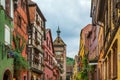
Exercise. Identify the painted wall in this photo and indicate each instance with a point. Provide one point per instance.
(117, 37)
(48, 56)
(21, 31)
(5, 62)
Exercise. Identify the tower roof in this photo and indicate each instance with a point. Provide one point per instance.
(58, 32)
(58, 41)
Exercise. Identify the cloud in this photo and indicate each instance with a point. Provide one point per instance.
(70, 15)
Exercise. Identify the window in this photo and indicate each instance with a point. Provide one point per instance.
(37, 20)
(94, 33)
(41, 23)
(36, 56)
(47, 41)
(49, 45)
(115, 12)
(109, 65)
(115, 60)
(19, 21)
(41, 60)
(106, 69)
(18, 42)
(24, 77)
(49, 59)
(36, 17)
(23, 4)
(32, 77)
(35, 34)
(7, 35)
(7, 6)
(47, 56)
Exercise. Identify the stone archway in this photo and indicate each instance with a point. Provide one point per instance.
(7, 75)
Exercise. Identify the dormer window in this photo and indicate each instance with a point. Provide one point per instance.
(7, 6)
(37, 20)
(36, 17)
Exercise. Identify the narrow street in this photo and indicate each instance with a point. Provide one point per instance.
(59, 40)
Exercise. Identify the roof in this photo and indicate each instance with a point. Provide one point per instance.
(59, 42)
(31, 3)
(49, 31)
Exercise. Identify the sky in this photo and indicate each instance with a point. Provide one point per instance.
(71, 16)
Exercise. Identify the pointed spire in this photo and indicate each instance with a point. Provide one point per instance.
(58, 32)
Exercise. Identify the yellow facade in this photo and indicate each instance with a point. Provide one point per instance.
(81, 52)
(117, 37)
(100, 52)
(75, 68)
(112, 44)
(107, 15)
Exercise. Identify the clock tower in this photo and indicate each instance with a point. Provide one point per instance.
(60, 54)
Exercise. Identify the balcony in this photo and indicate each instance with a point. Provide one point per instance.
(36, 67)
(37, 45)
(36, 63)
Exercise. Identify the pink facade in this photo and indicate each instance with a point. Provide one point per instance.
(85, 32)
(48, 56)
(48, 73)
(93, 52)
(56, 73)
(93, 43)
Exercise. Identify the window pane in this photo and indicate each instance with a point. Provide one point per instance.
(7, 35)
